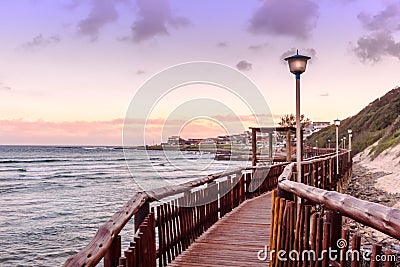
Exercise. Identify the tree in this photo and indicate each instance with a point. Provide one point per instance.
(289, 120)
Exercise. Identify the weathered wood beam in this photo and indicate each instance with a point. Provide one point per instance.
(101, 242)
(377, 216)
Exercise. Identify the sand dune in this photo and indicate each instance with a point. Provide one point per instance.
(388, 162)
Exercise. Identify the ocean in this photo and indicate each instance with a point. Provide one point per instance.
(53, 199)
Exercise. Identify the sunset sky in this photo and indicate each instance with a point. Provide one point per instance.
(69, 69)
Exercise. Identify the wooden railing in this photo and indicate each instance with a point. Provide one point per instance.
(308, 217)
(163, 229)
(168, 219)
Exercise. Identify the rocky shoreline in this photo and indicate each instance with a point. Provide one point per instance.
(363, 186)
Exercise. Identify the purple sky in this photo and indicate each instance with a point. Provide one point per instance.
(70, 68)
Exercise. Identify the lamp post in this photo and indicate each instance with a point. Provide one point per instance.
(337, 123)
(344, 142)
(297, 65)
(316, 143)
(329, 143)
(350, 132)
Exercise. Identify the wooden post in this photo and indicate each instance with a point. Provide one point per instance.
(122, 262)
(253, 147)
(270, 146)
(288, 145)
(326, 241)
(389, 262)
(336, 225)
(313, 230)
(376, 250)
(318, 240)
(345, 247)
(306, 237)
(302, 143)
(274, 226)
(355, 246)
(130, 257)
(111, 258)
(141, 214)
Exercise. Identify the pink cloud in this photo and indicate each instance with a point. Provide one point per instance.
(24, 132)
(110, 132)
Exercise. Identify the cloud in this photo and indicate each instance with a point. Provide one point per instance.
(305, 51)
(387, 19)
(72, 4)
(285, 17)
(21, 132)
(344, 2)
(222, 44)
(4, 87)
(375, 46)
(243, 65)
(155, 19)
(40, 41)
(102, 12)
(257, 48)
(140, 72)
(379, 41)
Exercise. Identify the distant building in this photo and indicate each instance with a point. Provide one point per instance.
(315, 127)
(209, 141)
(175, 140)
(224, 140)
(318, 125)
(235, 139)
(194, 141)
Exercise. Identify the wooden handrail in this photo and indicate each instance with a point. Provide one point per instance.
(166, 191)
(322, 157)
(380, 217)
(138, 206)
(377, 216)
(101, 242)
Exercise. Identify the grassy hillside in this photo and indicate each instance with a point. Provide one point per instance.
(381, 118)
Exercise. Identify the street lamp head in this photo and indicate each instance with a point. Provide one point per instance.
(297, 64)
(349, 131)
(337, 122)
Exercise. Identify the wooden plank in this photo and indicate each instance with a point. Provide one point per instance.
(230, 242)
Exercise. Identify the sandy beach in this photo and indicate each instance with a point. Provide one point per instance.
(377, 181)
(388, 163)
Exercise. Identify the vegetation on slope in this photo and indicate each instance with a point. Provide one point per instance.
(379, 119)
(390, 139)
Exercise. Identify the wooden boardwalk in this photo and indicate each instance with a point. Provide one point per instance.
(234, 240)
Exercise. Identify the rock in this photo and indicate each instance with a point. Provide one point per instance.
(383, 199)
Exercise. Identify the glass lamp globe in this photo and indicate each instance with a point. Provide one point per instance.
(297, 63)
